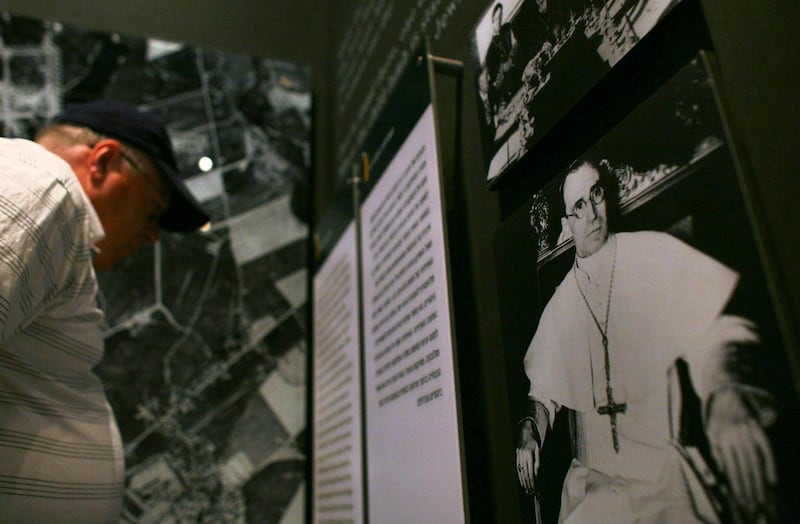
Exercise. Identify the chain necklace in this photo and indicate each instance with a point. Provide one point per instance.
(611, 409)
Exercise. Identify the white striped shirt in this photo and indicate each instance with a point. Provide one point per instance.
(60, 451)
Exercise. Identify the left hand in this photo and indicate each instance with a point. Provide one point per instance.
(743, 452)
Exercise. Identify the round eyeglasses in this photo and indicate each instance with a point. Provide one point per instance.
(581, 208)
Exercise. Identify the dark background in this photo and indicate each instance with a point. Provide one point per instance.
(759, 58)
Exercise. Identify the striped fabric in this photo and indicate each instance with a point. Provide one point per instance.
(60, 452)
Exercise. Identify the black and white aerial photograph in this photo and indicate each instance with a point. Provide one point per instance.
(535, 59)
(645, 352)
(205, 348)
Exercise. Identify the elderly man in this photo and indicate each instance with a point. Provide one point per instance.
(632, 305)
(99, 183)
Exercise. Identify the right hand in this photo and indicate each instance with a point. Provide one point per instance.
(742, 451)
(527, 457)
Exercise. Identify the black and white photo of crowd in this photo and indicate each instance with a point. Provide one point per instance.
(536, 58)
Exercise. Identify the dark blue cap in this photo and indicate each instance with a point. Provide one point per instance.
(145, 131)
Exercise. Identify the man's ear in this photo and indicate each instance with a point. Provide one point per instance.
(102, 158)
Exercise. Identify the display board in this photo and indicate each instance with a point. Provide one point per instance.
(413, 450)
(409, 365)
(336, 363)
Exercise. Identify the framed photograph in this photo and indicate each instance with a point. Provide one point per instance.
(536, 58)
(650, 375)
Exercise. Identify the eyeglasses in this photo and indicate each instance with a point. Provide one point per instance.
(158, 195)
(581, 208)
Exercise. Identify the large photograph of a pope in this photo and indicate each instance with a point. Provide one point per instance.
(647, 368)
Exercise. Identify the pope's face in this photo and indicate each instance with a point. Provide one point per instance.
(591, 230)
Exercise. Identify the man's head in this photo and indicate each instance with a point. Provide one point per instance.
(497, 17)
(124, 161)
(585, 211)
(542, 5)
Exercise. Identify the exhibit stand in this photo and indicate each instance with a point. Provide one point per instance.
(386, 424)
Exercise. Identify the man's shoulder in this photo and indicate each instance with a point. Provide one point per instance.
(40, 165)
(37, 181)
(11, 146)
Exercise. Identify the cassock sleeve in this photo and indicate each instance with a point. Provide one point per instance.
(540, 364)
(717, 347)
(556, 362)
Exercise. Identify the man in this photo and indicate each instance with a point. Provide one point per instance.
(632, 305)
(501, 62)
(100, 182)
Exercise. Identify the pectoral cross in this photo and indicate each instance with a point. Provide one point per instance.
(611, 409)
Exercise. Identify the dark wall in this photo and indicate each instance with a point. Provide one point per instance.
(759, 57)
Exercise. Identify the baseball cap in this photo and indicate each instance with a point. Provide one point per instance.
(144, 130)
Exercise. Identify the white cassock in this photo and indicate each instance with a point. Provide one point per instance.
(666, 303)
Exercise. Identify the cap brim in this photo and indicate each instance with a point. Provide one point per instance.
(184, 212)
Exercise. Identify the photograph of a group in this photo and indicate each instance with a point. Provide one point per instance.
(648, 370)
(536, 58)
